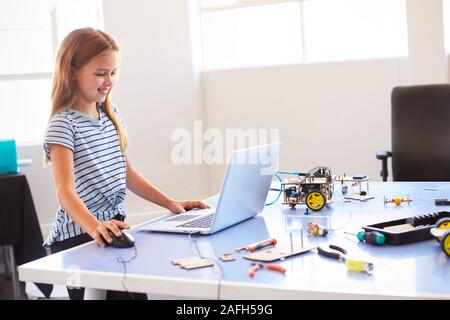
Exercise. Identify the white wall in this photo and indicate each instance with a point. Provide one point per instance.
(157, 92)
(41, 183)
(335, 114)
(427, 61)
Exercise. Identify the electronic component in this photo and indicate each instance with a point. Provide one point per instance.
(442, 202)
(317, 230)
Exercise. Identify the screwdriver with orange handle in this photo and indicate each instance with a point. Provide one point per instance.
(256, 266)
(262, 244)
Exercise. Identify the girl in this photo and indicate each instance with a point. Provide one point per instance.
(86, 143)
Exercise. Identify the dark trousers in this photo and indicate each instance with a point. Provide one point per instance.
(78, 293)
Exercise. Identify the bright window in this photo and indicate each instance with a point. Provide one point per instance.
(355, 29)
(251, 36)
(240, 33)
(30, 33)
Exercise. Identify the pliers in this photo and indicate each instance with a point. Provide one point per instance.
(339, 254)
(256, 266)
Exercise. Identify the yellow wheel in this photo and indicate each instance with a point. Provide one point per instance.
(445, 244)
(443, 223)
(315, 200)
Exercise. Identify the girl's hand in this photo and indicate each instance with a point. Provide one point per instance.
(100, 232)
(183, 206)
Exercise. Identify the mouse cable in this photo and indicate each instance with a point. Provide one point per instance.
(221, 274)
(124, 264)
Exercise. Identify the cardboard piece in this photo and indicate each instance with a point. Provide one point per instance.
(193, 262)
(227, 257)
(277, 253)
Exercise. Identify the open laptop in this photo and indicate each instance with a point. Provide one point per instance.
(243, 195)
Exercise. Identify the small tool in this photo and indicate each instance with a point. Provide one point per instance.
(254, 246)
(397, 201)
(351, 264)
(256, 266)
(371, 237)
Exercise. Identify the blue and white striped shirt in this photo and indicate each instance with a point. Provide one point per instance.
(99, 167)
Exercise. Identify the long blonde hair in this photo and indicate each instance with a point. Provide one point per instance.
(77, 49)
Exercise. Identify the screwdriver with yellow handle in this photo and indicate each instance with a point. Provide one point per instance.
(371, 237)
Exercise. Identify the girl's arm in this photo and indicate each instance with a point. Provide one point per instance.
(62, 162)
(144, 189)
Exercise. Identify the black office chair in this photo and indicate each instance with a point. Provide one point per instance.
(420, 134)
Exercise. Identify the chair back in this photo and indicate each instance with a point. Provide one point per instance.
(421, 133)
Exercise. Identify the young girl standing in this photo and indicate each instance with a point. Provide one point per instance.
(86, 144)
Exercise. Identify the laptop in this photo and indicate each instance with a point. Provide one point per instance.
(243, 195)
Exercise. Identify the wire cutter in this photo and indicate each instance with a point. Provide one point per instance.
(339, 253)
(256, 266)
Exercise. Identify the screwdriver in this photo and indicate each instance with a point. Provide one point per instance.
(372, 237)
(270, 242)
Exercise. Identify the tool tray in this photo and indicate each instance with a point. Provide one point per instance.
(422, 233)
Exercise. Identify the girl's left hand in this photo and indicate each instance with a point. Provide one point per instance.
(183, 206)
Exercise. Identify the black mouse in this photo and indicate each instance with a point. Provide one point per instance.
(125, 241)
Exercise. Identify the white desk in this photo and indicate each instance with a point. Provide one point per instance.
(417, 270)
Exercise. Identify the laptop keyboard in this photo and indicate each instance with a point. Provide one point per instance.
(183, 217)
(203, 222)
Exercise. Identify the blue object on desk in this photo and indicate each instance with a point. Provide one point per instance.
(8, 156)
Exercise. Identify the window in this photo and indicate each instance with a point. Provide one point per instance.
(30, 33)
(239, 33)
(249, 36)
(354, 29)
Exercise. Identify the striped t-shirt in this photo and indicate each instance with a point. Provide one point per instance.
(99, 167)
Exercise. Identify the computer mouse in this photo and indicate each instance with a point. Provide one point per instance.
(125, 241)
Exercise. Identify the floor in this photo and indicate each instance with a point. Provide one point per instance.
(32, 292)
(59, 292)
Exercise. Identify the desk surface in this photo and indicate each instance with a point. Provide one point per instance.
(417, 270)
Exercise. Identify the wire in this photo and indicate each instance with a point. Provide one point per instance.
(310, 172)
(280, 191)
(345, 224)
(124, 264)
(286, 172)
(222, 273)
